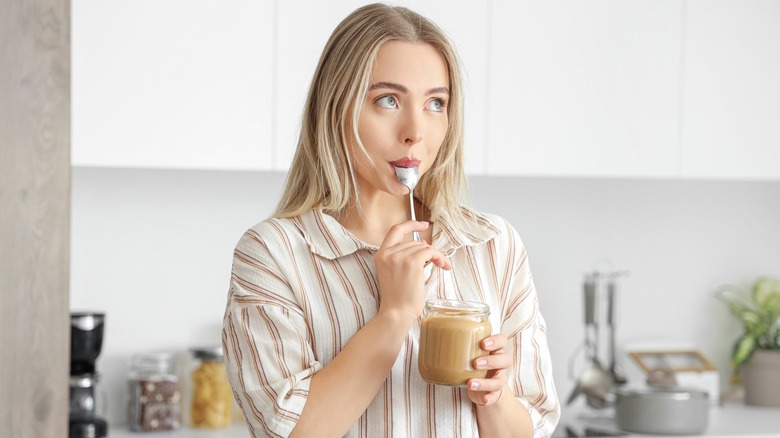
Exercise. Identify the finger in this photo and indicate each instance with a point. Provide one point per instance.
(478, 397)
(484, 398)
(491, 397)
(485, 385)
(406, 251)
(398, 231)
(433, 255)
(440, 260)
(495, 342)
(493, 362)
(436, 257)
(417, 253)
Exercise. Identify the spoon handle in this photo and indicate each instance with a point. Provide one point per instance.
(415, 234)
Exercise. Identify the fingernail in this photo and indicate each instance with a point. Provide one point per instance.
(488, 343)
(474, 385)
(481, 363)
(424, 223)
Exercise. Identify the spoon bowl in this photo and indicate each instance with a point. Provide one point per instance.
(408, 176)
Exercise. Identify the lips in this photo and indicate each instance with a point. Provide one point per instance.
(406, 162)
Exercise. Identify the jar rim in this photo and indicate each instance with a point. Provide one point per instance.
(153, 362)
(208, 353)
(458, 306)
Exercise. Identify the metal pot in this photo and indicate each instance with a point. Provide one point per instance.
(671, 411)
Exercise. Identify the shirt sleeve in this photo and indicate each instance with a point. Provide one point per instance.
(266, 341)
(531, 376)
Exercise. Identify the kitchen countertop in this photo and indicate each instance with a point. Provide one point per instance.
(235, 431)
(732, 420)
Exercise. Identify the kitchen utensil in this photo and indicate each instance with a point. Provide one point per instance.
(595, 382)
(409, 176)
(614, 370)
(671, 411)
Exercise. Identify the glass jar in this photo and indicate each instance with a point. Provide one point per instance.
(154, 393)
(211, 405)
(451, 335)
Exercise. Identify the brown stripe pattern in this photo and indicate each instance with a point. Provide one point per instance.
(300, 288)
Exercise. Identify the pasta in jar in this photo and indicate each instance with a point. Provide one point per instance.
(212, 397)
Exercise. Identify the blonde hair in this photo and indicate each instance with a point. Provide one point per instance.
(322, 174)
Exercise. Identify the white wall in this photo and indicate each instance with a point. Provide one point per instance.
(153, 249)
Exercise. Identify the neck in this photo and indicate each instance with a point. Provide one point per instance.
(380, 212)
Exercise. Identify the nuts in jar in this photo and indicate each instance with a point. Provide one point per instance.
(154, 392)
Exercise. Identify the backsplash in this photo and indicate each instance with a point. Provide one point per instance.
(153, 248)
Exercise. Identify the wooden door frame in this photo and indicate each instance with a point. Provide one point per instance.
(35, 181)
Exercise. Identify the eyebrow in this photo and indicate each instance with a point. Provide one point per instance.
(402, 89)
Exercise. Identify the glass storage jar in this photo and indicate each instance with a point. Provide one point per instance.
(451, 335)
(211, 397)
(154, 393)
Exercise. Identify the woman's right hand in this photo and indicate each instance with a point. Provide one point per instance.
(400, 265)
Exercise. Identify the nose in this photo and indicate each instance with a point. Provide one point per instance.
(412, 128)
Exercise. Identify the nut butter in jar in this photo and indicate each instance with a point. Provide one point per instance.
(450, 341)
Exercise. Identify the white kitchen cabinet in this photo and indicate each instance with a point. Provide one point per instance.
(731, 100)
(303, 29)
(298, 53)
(584, 88)
(605, 88)
(172, 84)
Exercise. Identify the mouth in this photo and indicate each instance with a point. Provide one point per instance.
(406, 162)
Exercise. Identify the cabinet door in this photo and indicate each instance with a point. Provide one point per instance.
(303, 29)
(172, 84)
(732, 90)
(584, 88)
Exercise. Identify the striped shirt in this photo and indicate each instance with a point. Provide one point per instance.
(302, 286)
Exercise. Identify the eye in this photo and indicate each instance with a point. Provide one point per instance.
(437, 105)
(388, 101)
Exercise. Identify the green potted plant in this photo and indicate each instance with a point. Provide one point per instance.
(756, 353)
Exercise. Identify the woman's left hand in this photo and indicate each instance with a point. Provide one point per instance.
(487, 391)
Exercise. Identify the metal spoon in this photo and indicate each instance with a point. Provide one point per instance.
(409, 176)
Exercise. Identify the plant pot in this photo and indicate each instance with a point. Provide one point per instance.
(761, 378)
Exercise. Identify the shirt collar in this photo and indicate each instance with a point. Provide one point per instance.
(328, 238)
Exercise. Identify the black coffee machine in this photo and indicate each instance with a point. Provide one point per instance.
(86, 340)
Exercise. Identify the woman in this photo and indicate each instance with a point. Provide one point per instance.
(322, 322)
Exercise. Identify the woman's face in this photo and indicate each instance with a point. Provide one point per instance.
(404, 115)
